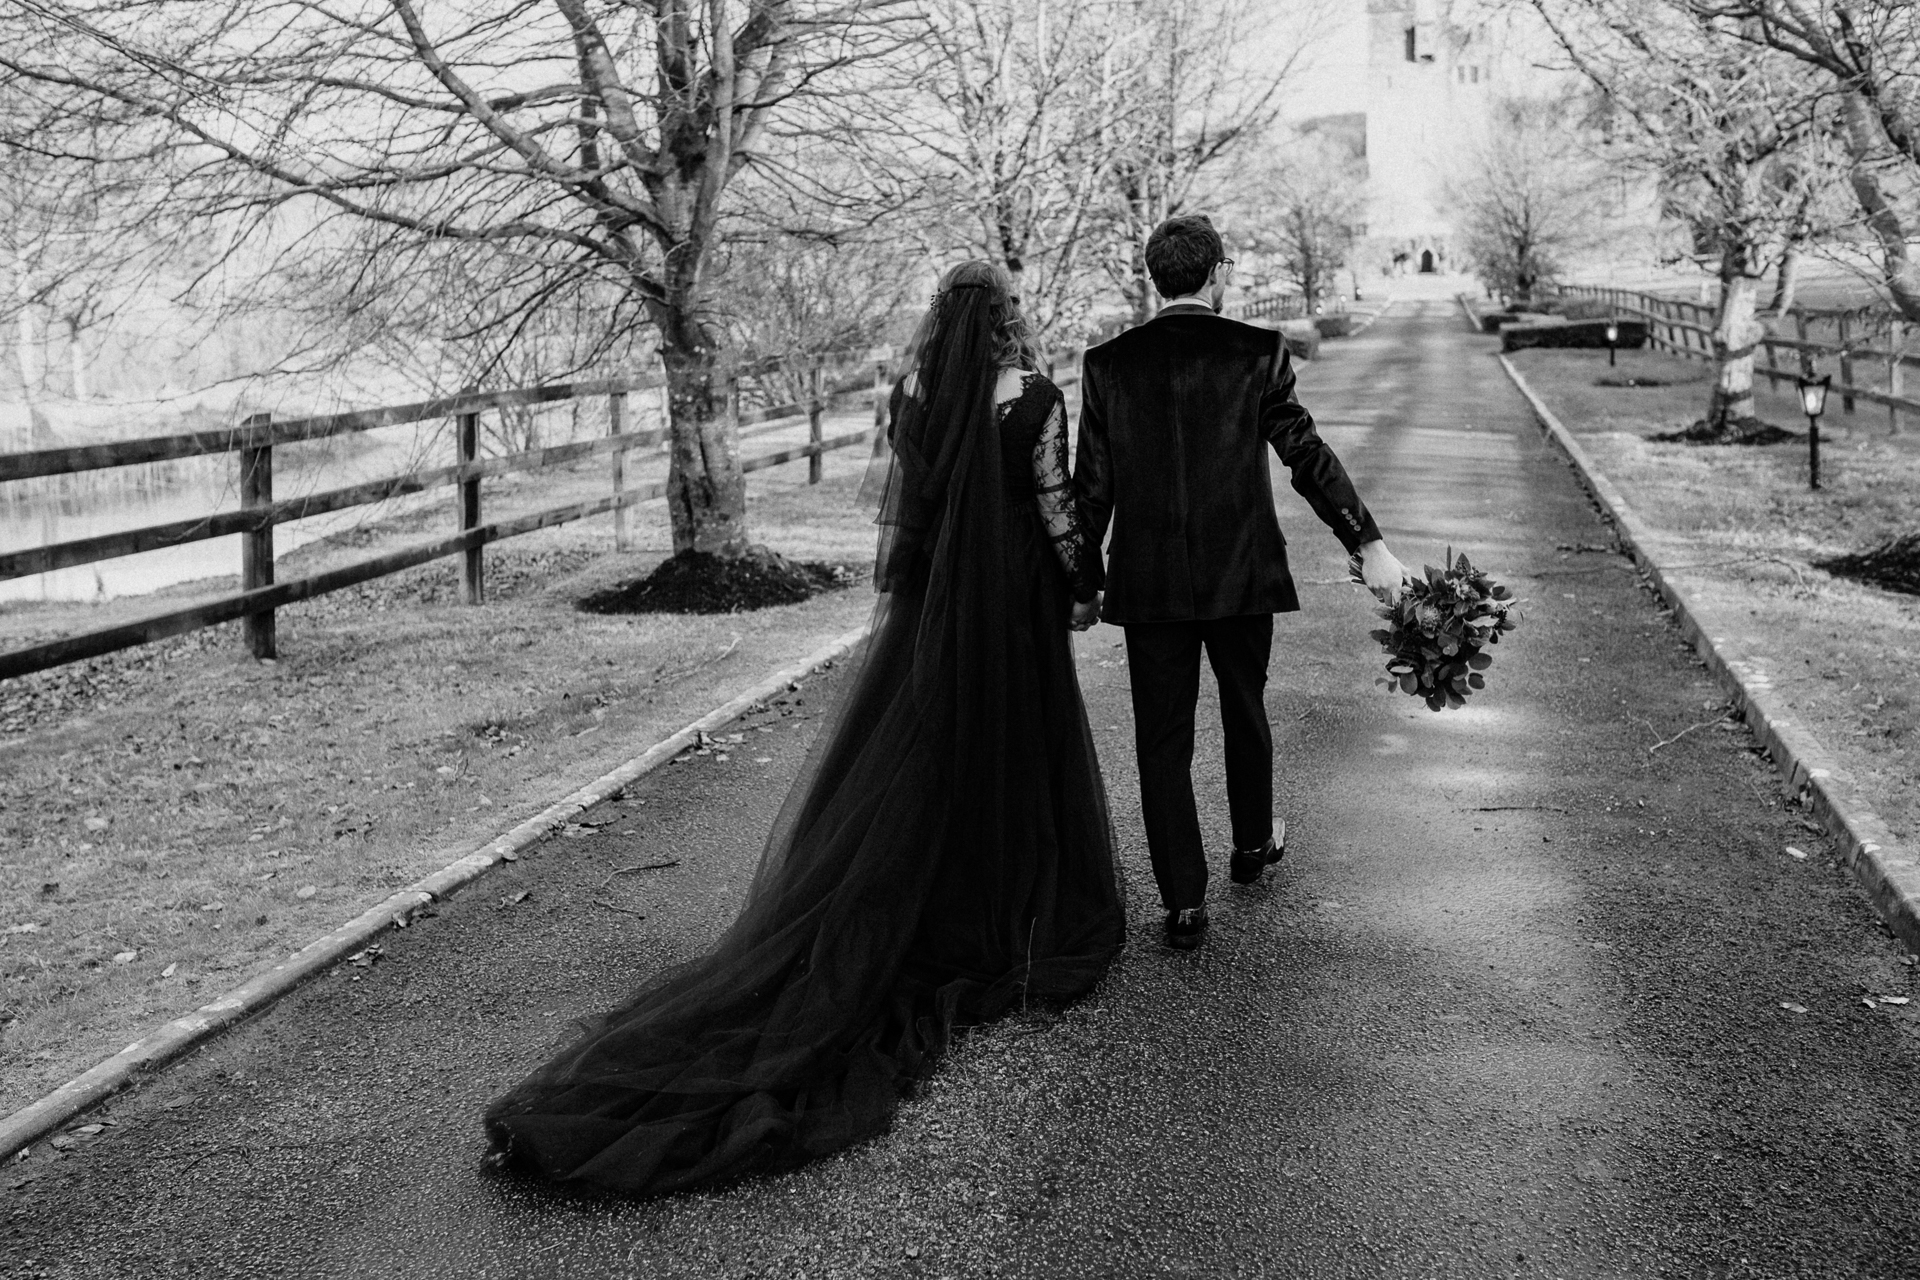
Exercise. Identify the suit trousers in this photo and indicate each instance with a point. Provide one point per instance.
(1163, 668)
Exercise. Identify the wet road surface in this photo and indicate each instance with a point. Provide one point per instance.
(1513, 1005)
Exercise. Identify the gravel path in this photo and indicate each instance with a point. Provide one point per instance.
(1515, 1005)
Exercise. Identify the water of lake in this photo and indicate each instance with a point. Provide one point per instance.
(211, 487)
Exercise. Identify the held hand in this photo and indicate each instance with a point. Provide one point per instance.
(1382, 573)
(1085, 615)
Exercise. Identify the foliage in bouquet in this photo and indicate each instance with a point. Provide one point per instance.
(1438, 631)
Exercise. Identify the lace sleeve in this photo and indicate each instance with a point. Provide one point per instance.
(1053, 490)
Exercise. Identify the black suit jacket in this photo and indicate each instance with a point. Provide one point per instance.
(1176, 416)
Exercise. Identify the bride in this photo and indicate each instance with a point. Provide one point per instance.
(945, 850)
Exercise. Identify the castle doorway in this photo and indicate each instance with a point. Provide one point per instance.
(1426, 261)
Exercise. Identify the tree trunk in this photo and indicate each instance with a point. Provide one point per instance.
(77, 359)
(1898, 269)
(706, 490)
(1785, 280)
(1735, 335)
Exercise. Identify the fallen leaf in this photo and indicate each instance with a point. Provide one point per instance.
(365, 959)
(169, 970)
(1893, 999)
(61, 1143)
(91, 1129)
(125, 957)
(305, 891)
(1791, 1007)
(1799, 855)
(514, 899)
(29, 927)
(98, 824)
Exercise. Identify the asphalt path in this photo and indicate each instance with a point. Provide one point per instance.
(1514, 1005)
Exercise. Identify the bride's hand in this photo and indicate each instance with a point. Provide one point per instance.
(1381, 571)
(1085, 615)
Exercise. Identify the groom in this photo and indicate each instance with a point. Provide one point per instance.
(1175, 420)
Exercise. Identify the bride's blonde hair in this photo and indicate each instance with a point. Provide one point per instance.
(1013, 344)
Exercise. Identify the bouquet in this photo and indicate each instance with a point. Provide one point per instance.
(1437, 633)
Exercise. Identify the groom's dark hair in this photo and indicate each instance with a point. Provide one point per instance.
(1181, 254)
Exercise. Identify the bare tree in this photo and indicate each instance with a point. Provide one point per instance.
(584, 149)
(1016, 98)
(1196, 106)
(1529, 197)
(1870, 51)
(74, 247)
(1732, 137)
(1302, 210)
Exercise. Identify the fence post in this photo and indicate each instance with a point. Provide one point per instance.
(1806, 355)
(1846, 364)
(814, 458)
(879, 392)
(473, 585)
(256, 548)
(616, 423)
(1896, 346)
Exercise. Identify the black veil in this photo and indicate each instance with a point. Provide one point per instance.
(912, 880)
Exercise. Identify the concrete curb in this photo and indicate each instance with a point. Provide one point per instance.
(1371, 316)
(168, 1042)
(1473, 313)
(1889, 874)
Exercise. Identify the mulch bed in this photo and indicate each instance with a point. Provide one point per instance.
(1894, 565)
(700, 582)
(1752, 431)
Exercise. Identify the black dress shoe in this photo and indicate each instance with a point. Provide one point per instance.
(1185, 929)
(1247, 865)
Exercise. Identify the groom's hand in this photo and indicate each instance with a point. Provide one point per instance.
(1383, 574)
(1085, 615)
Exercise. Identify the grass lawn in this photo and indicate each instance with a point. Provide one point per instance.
(179, 816)
(1744, 527)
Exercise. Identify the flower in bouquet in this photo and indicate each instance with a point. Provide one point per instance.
(1438, 631)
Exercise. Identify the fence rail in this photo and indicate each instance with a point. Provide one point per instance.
(1674, 325)
(1274, 306)
(256, 438)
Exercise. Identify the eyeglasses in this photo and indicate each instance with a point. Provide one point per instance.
(1226, 262)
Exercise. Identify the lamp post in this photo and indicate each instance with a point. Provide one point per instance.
(1613, 339)
(1813, 399)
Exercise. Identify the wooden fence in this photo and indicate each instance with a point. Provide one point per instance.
(1273, 306)
(1686, 329)
(257, 437)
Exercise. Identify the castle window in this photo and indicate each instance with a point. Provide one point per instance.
(1475, 74)
(1413, 54)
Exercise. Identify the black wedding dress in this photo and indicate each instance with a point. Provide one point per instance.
(944, 853)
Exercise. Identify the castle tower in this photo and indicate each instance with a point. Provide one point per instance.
(1430, 84)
